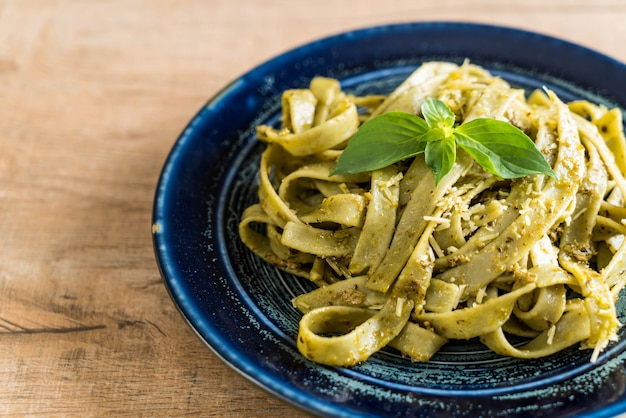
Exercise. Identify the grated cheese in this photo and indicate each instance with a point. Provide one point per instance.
(551, 333)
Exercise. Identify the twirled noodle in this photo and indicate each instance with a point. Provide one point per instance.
(403, 262)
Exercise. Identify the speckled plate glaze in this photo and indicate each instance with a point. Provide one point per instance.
(241, 307)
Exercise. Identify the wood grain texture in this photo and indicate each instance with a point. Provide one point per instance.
(93, 94)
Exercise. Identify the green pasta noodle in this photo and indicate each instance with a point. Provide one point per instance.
(401, 261)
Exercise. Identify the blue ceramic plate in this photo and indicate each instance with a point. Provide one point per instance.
(241, 307)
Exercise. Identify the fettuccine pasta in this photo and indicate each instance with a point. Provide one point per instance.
(403, 262)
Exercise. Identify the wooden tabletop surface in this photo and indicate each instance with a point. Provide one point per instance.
(93, 94)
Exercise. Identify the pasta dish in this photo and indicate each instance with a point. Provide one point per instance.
(529, 266)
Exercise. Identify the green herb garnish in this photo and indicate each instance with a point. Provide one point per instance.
(499, 147)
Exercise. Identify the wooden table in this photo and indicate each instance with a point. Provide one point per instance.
(93, 94)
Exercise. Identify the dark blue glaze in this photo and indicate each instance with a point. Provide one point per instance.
(241, 307)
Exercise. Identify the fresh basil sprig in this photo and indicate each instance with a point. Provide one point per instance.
(499, 147)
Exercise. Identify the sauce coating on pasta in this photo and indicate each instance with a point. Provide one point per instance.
(401, 261)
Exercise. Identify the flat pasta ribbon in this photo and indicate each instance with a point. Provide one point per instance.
(528, 266)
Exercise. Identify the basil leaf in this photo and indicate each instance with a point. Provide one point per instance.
(382, 141)
(501, 149)
(437, 114)
(440, 156)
